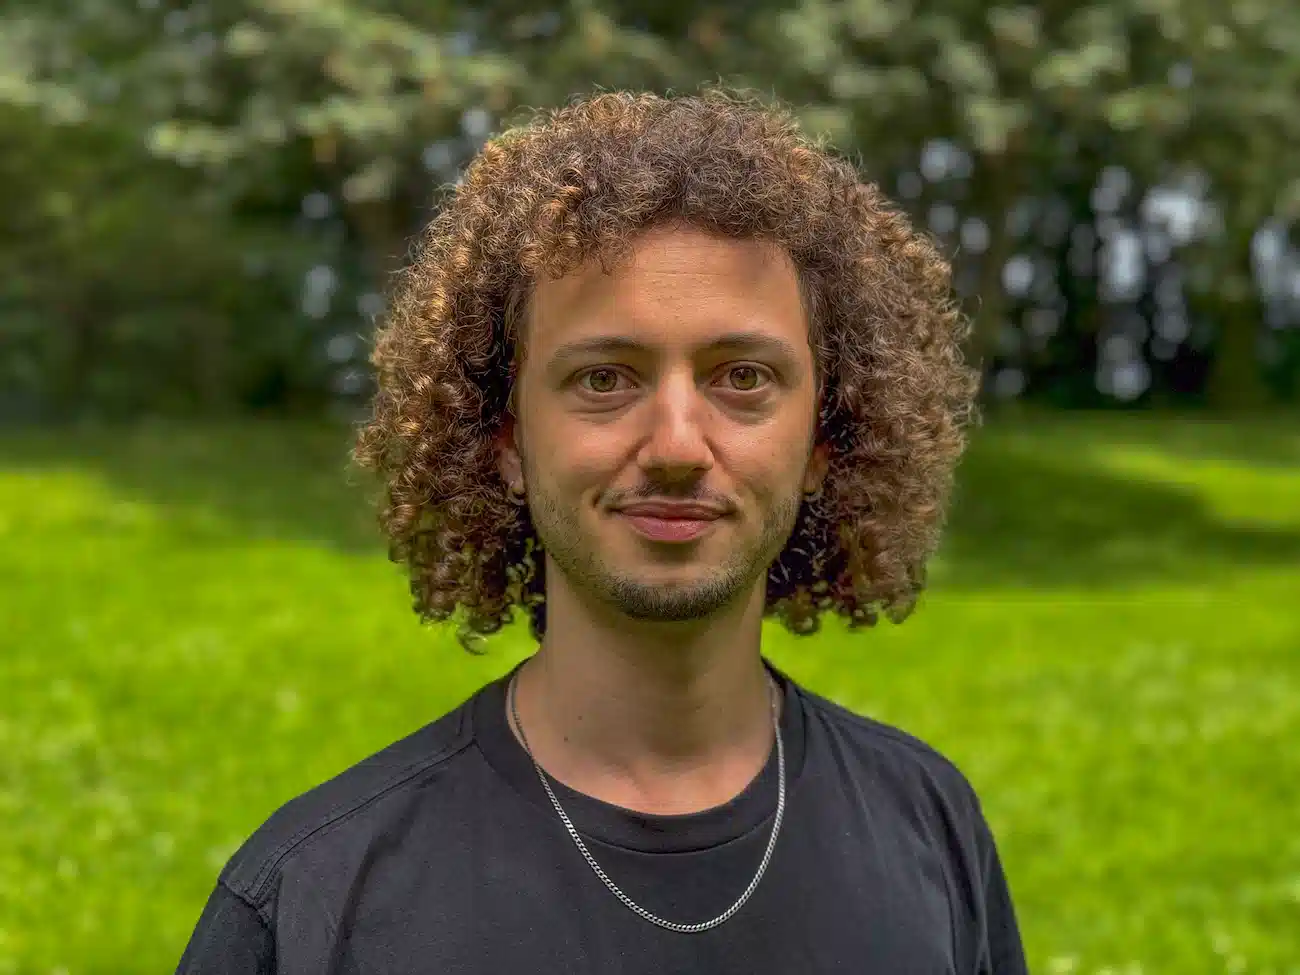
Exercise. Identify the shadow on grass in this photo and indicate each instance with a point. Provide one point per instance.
(1029, 511)
(1266, 439)
(255, 478)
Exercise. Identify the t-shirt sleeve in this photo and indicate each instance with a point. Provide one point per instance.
(1003, 951)
(230, 939)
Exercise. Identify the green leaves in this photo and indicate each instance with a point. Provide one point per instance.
(371, 104)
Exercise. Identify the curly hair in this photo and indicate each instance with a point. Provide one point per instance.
(579, 183)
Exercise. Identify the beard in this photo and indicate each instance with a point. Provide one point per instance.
(575, 553)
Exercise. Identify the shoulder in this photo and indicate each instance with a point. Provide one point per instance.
(892, 756)
(336, 821)
(884, 767)
(922, 791)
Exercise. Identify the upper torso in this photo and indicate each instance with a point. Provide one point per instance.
(443, 854)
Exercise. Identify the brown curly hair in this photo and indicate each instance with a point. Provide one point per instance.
(579, 183)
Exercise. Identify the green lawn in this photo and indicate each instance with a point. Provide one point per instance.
(197, 624)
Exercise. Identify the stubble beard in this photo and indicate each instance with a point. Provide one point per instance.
(577, 555)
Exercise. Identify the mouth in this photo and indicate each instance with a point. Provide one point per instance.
(673, 523)
(661, 529)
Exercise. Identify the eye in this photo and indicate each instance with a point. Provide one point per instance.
(602, 379)
(746, 378)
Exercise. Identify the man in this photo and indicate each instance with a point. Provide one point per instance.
(661, 369)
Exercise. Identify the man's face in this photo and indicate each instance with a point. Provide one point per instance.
(666, 415)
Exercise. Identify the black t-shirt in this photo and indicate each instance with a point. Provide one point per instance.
(443, 854)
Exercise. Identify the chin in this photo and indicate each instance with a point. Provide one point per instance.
(713, 583)
(647, 572)
(670, 603)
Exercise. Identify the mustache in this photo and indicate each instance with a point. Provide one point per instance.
(690, 494)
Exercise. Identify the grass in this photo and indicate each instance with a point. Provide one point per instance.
(197, 624)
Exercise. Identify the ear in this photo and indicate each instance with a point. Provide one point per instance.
(816, 468)
(509, 462)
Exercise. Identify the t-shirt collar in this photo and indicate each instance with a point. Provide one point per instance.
(613, 825)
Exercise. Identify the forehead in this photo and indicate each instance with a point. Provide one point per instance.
(678, 287)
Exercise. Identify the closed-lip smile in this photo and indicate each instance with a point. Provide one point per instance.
(670, 521)
(689, 510)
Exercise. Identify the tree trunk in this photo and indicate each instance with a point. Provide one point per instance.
(81, 310)
(385, 237)
(995, 194)
(1236, 381)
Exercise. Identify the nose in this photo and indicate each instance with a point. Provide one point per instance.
(676, 448)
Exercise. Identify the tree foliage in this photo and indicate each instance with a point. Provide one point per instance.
(228, 185)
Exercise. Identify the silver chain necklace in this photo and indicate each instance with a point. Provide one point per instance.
(637, 908)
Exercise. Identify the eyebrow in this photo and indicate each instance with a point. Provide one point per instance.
(730, 342)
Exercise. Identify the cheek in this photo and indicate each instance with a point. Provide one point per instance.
(573, 460)
(772, 465)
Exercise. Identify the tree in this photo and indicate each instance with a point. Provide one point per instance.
(344, 116)
(1172, 87)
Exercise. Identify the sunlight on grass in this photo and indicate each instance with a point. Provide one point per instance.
(200, 624)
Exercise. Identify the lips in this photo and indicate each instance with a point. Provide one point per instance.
(670, 522)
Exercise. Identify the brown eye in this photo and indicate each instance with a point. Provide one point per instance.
(602, 380)
(745, 378)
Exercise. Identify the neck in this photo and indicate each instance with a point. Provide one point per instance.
(648, 715)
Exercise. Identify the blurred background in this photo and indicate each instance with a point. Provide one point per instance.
(201, 207)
